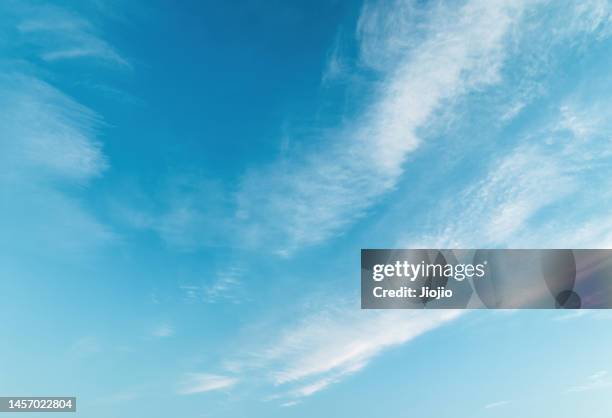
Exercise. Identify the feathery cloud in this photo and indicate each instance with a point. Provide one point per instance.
(312, 196)
(596, 381)
(163, 330)
(496, 404)
(48, 140)
(202, 382)
(324, 348)
(62, 35)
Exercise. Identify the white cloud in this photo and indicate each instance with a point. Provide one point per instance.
(48, 143)
(571, 315)
(46, 133)
(193, 214)
(201, 382)
(312, 196)
(496, 404)
(596, 381)
(555, 168)
(191, 293)
(326, 347)
(62, 35)
(312, 388)
(518, 186)
(316, 194)
(521, 184)
(594, 16)
(335, 66)
(48, 140)
(492, 210)
(226, 287)
(344, 341)
(599, 375)
(163, 330)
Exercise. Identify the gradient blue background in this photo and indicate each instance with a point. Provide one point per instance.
(185, 188)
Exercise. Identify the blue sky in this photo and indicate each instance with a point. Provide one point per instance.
(185, 188)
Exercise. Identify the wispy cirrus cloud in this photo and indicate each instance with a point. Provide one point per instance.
(163, 330)
(556, 169)
(425, 59)
(194, 383)
(335, 67)
(188, 213)
(314, 194)
(226, 287)
(326, 347)
(49, 143)
(46, 134)
(62, 35)
(498, 404)
(494, 209)
(597, 381)
(343, 341)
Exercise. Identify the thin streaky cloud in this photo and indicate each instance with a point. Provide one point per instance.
(597, 381)
(48, 142)
(227, 287)
(572, 315)
(317, 194)
(163, 330)
(496, 404)
(345, 342)
(49, 145)
(335, 66)
(63, 35)
(324, 348)
(194, 383)
(312, 197)
(49, 133)
(554, 164)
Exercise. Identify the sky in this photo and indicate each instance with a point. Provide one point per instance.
(185, 188)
